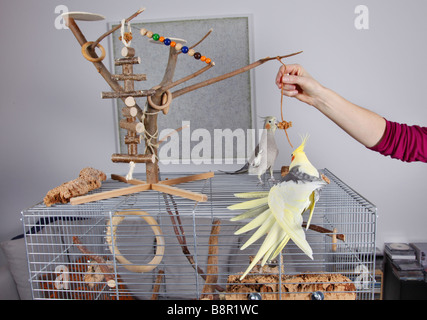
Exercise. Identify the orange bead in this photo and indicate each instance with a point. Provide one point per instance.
(208, 60)
(161, 39)
(202, 58)
(173, 44)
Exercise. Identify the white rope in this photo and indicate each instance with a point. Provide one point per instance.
(122, 33)
(147, 136)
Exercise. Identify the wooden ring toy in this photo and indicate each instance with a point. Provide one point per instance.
(111, 235)
(87, 55)
(165, 104)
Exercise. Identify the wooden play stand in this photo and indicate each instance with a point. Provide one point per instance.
(141, 124)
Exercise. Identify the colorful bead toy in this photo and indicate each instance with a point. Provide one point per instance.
(177, 46)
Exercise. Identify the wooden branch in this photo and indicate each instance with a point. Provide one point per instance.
(227, 75)
(106, 34)
(200, 41)
(180, 235)
(330, 233)
(156, 287)
(100, 67)
(191, 76)
(150, 123)
(103, 265)
(212, 269)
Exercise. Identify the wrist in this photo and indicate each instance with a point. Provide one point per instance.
(322, 98)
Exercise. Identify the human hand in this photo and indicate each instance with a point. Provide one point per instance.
(296, 82)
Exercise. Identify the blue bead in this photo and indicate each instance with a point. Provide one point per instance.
(167, 42)
(184, 49)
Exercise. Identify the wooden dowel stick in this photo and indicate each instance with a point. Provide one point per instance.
(123, 179)
(200, 176)
(199, 197)
(109, 194)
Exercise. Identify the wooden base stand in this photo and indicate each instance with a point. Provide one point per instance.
(165, 186)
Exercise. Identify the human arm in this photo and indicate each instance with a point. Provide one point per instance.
(365, 126)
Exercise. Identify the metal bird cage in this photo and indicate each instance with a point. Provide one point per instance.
(151, 245)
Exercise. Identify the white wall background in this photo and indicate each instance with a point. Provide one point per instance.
(53, 122)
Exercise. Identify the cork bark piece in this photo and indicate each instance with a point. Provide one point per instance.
(89, 179)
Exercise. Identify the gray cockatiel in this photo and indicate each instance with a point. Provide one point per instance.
(265, 153)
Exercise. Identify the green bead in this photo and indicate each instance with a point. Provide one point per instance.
(156, 37)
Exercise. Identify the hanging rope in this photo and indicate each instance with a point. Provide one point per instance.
(147, 136)
(126, 37)
(284, 125)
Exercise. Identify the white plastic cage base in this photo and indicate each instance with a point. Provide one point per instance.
(87, 252)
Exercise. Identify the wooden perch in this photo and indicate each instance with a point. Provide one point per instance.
(123, 94)
(128, 60)
(227, 75)
(139, 158)
(330, 233)
(136, 127)
(133, 77)
(191, 76)
(212, 269)
(103, 265)
(156, 287)
(180, 192)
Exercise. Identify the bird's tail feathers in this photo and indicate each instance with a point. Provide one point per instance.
(243, 169)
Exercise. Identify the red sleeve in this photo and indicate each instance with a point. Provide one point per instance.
(403, 142)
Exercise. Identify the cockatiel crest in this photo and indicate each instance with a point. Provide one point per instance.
(278, 212)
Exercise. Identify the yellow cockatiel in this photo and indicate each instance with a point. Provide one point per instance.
(278, 212)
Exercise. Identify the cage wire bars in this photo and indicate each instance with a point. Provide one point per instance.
(100, 250)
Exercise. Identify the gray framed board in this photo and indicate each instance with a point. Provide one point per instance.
(223, 107)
